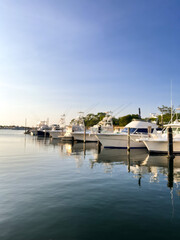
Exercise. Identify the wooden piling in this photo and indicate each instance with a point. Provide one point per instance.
(99, 147)
(170, 158)
(128, 161)
(170, 172)
(149, 131)
(84, 149)
(170, 142)
(128, 140)
(84, 133)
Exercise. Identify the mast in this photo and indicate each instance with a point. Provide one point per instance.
(25, 125)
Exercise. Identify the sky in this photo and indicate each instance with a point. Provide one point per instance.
(67, 56)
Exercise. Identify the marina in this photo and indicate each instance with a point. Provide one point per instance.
(89, 120)
(138, 133)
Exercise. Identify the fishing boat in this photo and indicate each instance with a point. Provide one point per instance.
(138, 128)
(58, 130)
(43, 129)
(68, 134)
(104, 126)
(158, 142)
(77, 125)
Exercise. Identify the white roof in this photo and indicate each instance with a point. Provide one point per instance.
(140, 124)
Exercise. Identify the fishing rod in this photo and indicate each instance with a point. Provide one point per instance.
(116, 109)
(126, 105)
(91, 108)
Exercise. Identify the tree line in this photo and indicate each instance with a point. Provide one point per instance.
(163, 118)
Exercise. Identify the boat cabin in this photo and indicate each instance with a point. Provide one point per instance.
(139, 127)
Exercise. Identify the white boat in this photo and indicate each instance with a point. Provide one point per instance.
(105, 126)
(68, 134)
(58, 131)
(43, 129)
(138, 128)
(77, 125)
(79, 136)
(158, 142)
(33, 132)
(65, 132)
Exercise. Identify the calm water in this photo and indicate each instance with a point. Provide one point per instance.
(51, 190)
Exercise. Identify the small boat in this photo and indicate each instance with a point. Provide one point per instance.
(33, 132)
(138, 128)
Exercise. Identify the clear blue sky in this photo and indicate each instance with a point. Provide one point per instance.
(61, 56)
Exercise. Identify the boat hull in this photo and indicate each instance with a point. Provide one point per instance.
(67, 138)
(57, 134)
(90, 137)
(119, 141)
(42, 133)
(161, 146)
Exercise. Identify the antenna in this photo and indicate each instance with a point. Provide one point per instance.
(139, 110)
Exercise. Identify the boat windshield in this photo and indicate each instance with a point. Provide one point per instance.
(143, 130)
(137, 130)
(132, 130)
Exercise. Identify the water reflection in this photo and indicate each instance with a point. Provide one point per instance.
(71, 188)
(138, 161)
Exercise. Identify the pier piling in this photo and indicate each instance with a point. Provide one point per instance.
(99, 147)
(170, 172)
(170, 142)
(84, 133)
(149, 131)
(84, 149)
(170, 157)
(128, 140)
(128, 161)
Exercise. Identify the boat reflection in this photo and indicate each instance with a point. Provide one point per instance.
(83, 151)
(138, 161)
(170, 167)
